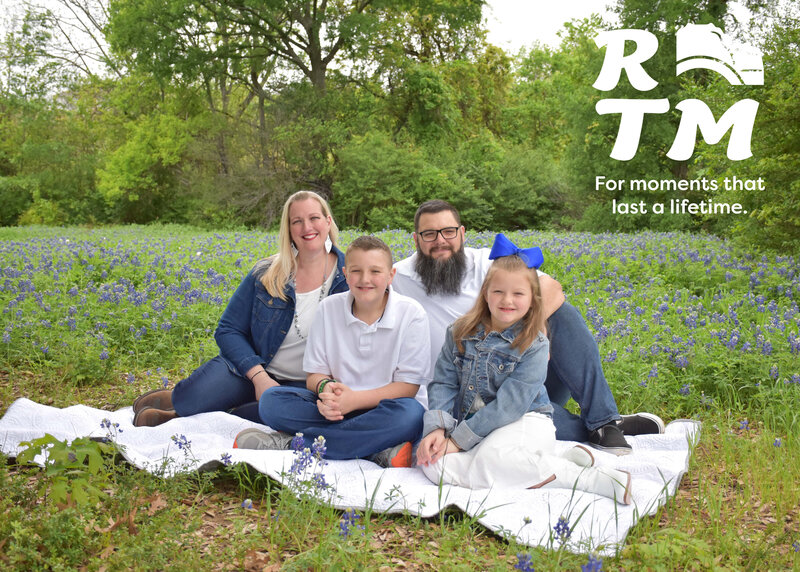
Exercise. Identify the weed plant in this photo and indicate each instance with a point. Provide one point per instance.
(687, 326)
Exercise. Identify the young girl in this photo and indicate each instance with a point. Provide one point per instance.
(489, 423)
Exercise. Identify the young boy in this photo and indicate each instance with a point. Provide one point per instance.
(367, 355)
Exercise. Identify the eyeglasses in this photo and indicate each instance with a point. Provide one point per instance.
(447, 233)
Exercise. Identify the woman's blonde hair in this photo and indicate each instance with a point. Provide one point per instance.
(281, 267)
(532, 321)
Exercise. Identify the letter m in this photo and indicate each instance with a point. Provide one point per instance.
(739, 119)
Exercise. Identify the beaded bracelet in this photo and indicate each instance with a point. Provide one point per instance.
(321, 384)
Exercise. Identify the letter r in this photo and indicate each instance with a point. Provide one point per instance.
(615, 59)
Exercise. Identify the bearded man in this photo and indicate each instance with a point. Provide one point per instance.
(445, 277)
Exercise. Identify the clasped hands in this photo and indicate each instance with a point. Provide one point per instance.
(336, 401)
(434, 446)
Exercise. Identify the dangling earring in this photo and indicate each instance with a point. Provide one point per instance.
(294, 250)
(328, 244)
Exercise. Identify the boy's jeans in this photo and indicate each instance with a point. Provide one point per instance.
(359, 435)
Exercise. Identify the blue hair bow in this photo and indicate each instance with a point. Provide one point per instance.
(503, 247)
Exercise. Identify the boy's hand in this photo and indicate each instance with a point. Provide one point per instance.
(433, 446)
(330, 403)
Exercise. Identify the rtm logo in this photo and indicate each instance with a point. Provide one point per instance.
(697, 46)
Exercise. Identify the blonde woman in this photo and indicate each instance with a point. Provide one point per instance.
(262, 333)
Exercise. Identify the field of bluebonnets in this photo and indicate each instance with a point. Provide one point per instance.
(688, 327)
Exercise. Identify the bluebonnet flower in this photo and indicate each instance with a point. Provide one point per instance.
(744, 425)
(298, 442)
(104, 355)
(796, 378)
(524, 562)
(777, 442)
(247, 503)
(594, 564)
(302, 459)
(653, 371)
(130, 378)
(164, 381)
(319, 482)
(182, 442)
(348, 523)
(773, 372)
(112, 429)
(685, 389)
(796, 546)
(527, 520)
(226, 459)
(318, 448)
(562, 528)
(6, 337)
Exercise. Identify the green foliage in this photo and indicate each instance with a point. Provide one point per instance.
(375, 189)
(773, 219)
(75, 472)
(16, 195)
(217, 112)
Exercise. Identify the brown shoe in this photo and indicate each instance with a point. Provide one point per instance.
(158, 399)
(152, 417)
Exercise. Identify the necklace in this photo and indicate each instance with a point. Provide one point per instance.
(321, 296)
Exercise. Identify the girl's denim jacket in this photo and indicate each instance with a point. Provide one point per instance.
(254, 324)
(510, 383)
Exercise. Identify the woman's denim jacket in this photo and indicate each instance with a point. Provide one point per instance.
(254, 324)
(510, 383)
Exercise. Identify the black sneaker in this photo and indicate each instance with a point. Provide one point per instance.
(609, 438)
(641, 424)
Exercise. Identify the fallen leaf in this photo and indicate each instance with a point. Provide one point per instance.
(108, 551)
(157, 502)
(131, 525)
(111, 526)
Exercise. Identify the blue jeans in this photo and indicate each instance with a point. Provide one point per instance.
(214, 386)
(575, 370)
(359, 435)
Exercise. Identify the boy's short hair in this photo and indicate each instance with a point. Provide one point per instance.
(367, 243)
(434, 206)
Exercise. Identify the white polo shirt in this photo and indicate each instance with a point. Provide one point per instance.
(443, 310)
(394, 348)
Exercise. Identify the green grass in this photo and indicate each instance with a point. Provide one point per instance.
(688, 326)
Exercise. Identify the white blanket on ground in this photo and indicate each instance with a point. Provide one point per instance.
(597, 524)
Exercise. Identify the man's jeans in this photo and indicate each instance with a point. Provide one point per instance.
(359, 435)
(575, 370)
(215, 387)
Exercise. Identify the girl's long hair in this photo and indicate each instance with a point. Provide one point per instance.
(281, 267)
(532, 321)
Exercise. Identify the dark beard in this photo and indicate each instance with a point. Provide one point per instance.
(442, 276)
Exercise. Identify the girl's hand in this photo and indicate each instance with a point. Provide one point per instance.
(451, 447)
(430, 447)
